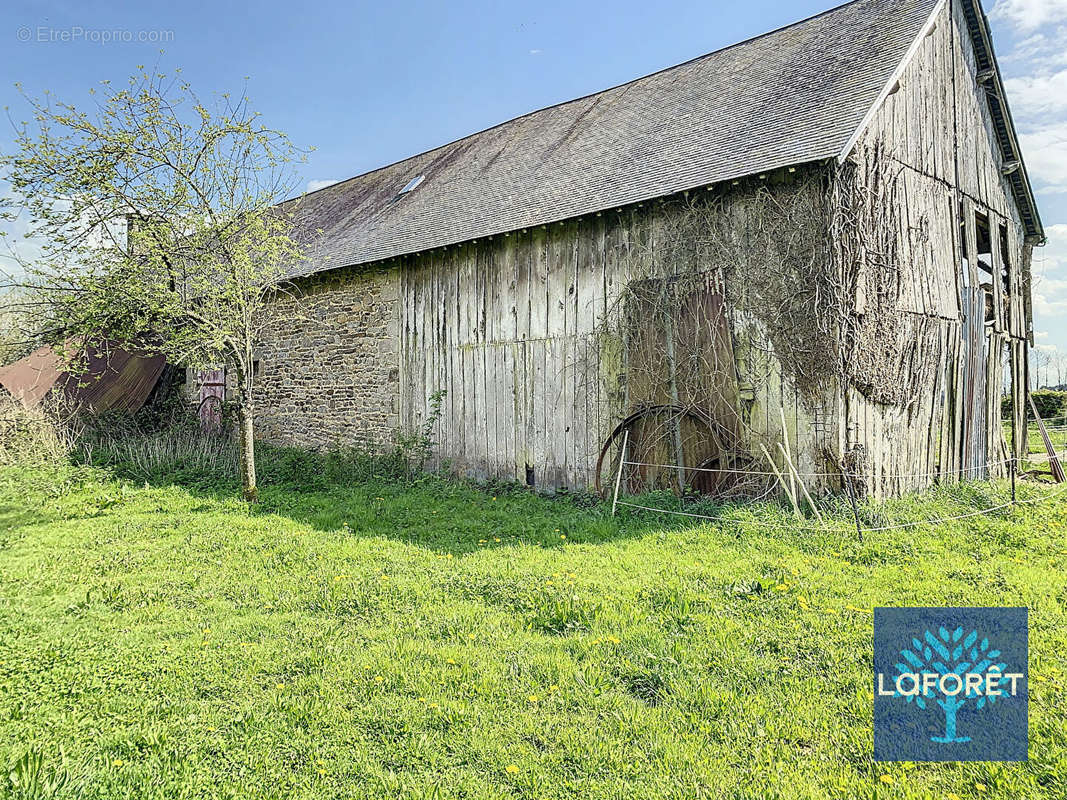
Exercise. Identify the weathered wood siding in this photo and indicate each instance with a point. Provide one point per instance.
(936, 132)
(509, 328)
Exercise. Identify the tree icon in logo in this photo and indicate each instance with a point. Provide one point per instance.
(953, 669)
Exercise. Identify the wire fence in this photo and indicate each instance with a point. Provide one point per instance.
(822, 526)
(964, 471)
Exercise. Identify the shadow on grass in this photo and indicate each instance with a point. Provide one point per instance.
(356, 494)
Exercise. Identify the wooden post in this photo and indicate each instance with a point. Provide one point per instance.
(1013, 470)
(799, 480)
(781, 479)
(786, 450)
(852, 500)
(622, 464)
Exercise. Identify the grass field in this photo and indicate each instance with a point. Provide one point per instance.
(433, 640)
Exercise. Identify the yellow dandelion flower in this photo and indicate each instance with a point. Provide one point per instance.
(322, 772)
(280, 686)
(434, 705)
(116, 762)
(554, 687)
(886, 779)
(981, 787)
(496, 538)
(613, 640)
(422, 699)
(451, 661)
(534, 698)
(831, 610)
(548, 583)
(512, 769)
(953, 796)
(471, 636)
(483, 541)
(448, 556)
(378, 679)
(563, 536)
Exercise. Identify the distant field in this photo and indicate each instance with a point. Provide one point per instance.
(1057, 431)
(388, 640)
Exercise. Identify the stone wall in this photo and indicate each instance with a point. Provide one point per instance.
(329, 373)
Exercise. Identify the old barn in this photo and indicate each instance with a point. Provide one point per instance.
(819, 238)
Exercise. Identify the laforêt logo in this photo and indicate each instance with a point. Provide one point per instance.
(950, 684)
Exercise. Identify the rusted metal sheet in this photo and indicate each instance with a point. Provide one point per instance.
(31, 378)
(115, 379)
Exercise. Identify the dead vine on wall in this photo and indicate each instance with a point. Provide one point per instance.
(887, 353)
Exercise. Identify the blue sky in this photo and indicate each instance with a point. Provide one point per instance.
(370, 83)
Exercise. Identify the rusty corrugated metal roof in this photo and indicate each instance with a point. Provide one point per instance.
(115, 380)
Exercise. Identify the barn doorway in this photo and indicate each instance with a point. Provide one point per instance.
(681, 386)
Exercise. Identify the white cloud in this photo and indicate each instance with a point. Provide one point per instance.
(1054, 253)
(1040, 52)
(1050, 274)
(536, 51)
(1034, 95)
(314, 186)
(1045, 151)
(1028, 15)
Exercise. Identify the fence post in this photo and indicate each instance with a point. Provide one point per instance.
(852, 500)
(1013, 471)
(622, 463)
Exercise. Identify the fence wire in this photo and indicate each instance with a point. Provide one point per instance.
(823, 526)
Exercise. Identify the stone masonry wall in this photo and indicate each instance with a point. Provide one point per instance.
(329, 374)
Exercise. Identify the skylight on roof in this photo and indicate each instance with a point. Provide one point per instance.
(413, 184)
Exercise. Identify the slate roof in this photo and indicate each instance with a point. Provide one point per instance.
(792, 96)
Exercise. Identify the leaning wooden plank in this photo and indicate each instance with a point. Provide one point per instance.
(1055, 467)
(781, 480)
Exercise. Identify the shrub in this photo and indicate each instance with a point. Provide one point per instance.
(1050, 404)
(34, 436)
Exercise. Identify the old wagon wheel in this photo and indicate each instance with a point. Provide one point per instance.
(716, 431)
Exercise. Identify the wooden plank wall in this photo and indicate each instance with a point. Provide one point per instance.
(510, 329)
(937, 134)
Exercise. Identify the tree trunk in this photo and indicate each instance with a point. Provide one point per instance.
(250, 491)
(951, 706)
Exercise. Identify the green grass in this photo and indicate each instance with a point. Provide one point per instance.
(432, 640)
